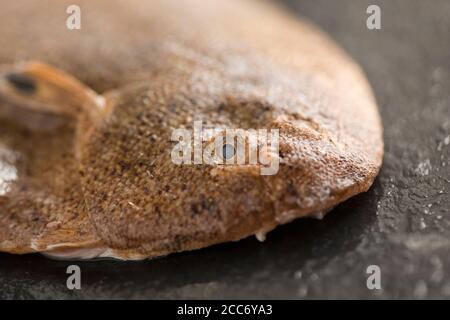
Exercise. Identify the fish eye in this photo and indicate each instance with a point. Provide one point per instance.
(22, 83)
(228, 151)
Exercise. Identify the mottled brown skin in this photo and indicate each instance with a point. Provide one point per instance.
(161, 65)
(44, 205)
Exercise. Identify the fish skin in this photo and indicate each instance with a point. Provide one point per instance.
(44, 205)
(160, 65)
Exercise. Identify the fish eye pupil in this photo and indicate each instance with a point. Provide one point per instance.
(228, 151)
(21, 82)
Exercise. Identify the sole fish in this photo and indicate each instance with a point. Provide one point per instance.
(137, 71)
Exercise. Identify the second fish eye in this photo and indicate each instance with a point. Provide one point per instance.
(22, 82)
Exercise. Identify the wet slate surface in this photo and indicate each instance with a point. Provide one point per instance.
(402, 224)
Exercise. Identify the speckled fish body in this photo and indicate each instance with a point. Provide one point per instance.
(110, 189)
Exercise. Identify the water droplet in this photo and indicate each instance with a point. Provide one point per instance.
(314, 277)
(302, 291)
(447, 140)
(421, 289)
(423, 225)
(424, 168)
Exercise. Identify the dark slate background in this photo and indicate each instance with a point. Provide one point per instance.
(402, 224)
